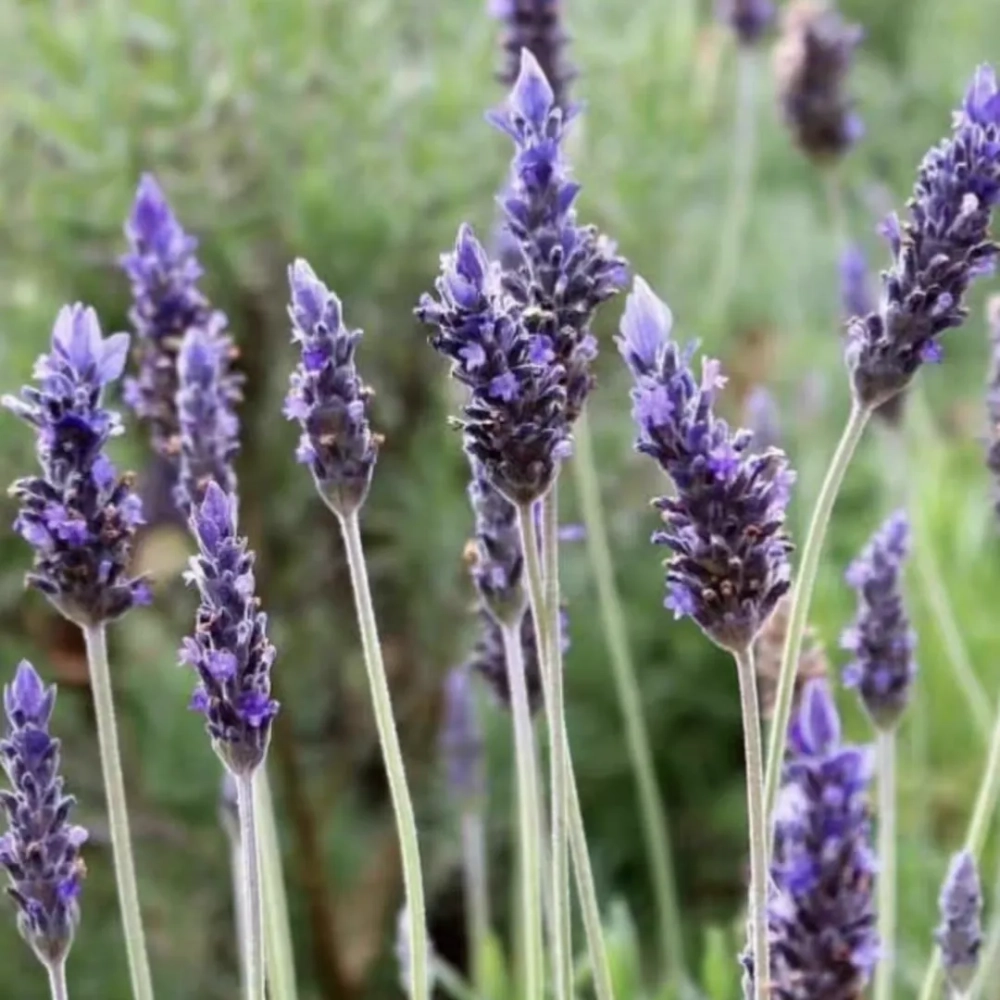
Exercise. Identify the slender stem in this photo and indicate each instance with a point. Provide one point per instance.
(406, 823)
(801, 597)
(757, 823)
(253, 942)
(95, 638)
(527, 799)
(651, 806)
(278, 946)
(236, 864)
(975, 839)
(835, 205)
(477, 904)
(57, 981)
(743, 157)
(452, 983)
(884, 973)
(562, 946)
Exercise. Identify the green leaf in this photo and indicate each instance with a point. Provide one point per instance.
(719, 971)
(496, 982)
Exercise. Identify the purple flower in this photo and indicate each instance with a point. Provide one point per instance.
(209, 428)
(514, 420)
(461, 738)
(763, 420)
(229, 649)
(880, 638)
(166, 304)
(824, 944)
(40, 850)
(749, 19)
(936, 254)
(327, 397)
(563, 271)
(725, 526)
(812, 61)
(857, 296)
(78, 515)
(960, 933)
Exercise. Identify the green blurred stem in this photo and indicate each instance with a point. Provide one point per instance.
(239, 899)
(835, 205)
(57, 981)
(884, 972)
(559, 762)
(529, 827)
(975, 839)
(278, 947)
(989, 963)
(95, 638)
(756, 821)
(477, 903)
(651, 805)
(743, 159)
(406, 824)
(253, 925)
(452, 982)
(801, 598)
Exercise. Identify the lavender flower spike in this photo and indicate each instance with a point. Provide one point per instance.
(40, 850)
(461, 738)
(936, 254)
(725, 526)
(209, 429)
(960, 933)
(229, 650)
(749, 19)
(327, 397)
(824, 945)
(79, 515)
(880, 637)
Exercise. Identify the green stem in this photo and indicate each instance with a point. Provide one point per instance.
(835, 205)
(801, 597)
(278, 947)
(95, 638)
(651, 806)
(975, 839)
(253, 929)
(452, 983)
(559, 765)
(406, 824)
(527, 799)
(237, 865)
(477, 904)
(756, 821)
(742, 160)
(57, 981)
(884, 972)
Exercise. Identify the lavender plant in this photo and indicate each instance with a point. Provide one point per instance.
(960, 935)
(725, 529)
(328, 399)
(41, 848)
(80, 517)
(749, 19)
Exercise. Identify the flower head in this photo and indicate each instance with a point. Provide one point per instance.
(41, 849)
(749, 19)
(960, 933)
(79, 515)
(514, 420)
(880, 637)
(166, 304)
(725, 526)
(461, 737)
(229, 649)
(811, 61)
(565, 270)
(824, 944)
(936, 254)
(327, 397)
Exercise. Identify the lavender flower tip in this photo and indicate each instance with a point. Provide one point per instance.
(960, 934)
(461, 738)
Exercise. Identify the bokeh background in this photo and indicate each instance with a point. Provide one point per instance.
(352, 134)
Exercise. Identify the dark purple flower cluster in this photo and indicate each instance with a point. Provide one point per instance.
(993, 400)
(812, 61)
(461, 738)
(41, 850)
(209, 428)
(960, 933)
(725, 525)
(824, 944)
(230, 649)
(79, 515)
(514, 422)
(936, 254)
(535, 25)
(166, 304)
(749, 19)
(327, 397)
(880, 638)
(565, 270)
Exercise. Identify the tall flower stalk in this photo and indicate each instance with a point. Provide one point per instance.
(80, 517)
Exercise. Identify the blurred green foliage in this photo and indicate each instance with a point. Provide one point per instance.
(352, 134)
